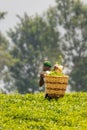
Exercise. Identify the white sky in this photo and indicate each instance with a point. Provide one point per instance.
(14, 7)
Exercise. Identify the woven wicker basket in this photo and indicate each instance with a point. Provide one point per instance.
(55, 86)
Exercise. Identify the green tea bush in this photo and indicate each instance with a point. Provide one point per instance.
(34, 112)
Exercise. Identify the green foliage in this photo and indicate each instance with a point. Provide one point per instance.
(33, 112)
(79, 76)
(2, 15)
(6, 59)
(5, 56)
(54, 73)
(72, 16)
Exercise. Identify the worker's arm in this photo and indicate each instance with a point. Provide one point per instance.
(41, 81)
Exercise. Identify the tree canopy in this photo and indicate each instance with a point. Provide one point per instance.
(34, 40)
(72, 16)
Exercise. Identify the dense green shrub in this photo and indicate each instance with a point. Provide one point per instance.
(33, 112)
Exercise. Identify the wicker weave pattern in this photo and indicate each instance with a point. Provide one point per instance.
(56, 85)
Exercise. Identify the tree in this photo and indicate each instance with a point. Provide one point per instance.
(79, 77)
(4, 55)
(72, 16)
(2, 15)
(6, 59)
(33, 41)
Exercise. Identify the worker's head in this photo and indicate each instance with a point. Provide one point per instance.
(47, 65)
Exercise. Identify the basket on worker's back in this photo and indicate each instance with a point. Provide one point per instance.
(55, 86)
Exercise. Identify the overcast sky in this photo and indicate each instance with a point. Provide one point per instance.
(14, 7)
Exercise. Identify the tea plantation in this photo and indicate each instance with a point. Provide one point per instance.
(34, 112)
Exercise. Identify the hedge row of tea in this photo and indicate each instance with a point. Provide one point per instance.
(33, 112)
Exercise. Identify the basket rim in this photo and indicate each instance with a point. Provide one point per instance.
(66, 76)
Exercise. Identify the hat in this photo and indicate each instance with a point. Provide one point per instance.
(47, 63)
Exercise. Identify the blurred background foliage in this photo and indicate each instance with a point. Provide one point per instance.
(60, 34)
